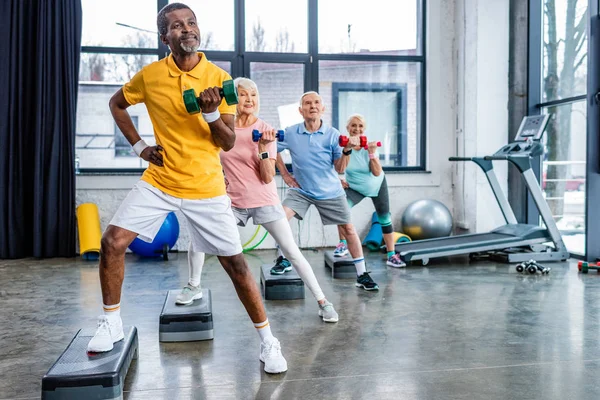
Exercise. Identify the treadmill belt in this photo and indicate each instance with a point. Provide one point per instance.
(454, 241)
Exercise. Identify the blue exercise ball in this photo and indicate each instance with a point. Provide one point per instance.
(167, 235)
(426, 219)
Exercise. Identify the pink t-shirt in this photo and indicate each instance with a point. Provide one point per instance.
(242, 170)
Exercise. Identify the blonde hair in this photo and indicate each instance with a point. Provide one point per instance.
(248, 84)
(307, 93)
(358, 117)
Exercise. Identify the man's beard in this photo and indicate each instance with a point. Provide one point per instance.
(189, 49)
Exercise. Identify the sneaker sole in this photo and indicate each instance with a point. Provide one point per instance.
(328, 319)
(287, 269)
(196, 297)
(272, 372)
(359, 285)
(395, 265)
(276, 372)
(105, 350)
(340, 255)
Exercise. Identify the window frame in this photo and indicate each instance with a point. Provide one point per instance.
(536, 106)
(240, 61)
(401, 113)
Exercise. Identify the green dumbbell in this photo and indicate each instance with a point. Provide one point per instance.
(192, 103)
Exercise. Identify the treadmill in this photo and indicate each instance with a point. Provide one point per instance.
(511, 242)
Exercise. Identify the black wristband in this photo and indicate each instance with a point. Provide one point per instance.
(346, 153)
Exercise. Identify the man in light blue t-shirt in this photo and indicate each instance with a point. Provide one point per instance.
(317, 159)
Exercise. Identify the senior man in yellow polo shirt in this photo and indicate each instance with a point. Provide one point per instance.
(184, 174)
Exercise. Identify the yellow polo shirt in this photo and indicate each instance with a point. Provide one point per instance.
(192, 169)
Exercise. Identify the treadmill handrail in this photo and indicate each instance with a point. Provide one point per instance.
(460, 159)
(505, 157)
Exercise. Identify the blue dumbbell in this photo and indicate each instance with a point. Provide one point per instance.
(256, 135)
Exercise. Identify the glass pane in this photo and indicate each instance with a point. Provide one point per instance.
(112, 67)
(564, 171)
(268, 28)
(280, 87)
(387, 94)
(224, 65)
(98, 142)
(565, 49)
(216, 22)
(134, 25)
(352, 26)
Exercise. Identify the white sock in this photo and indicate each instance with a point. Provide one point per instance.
(195, 264)
(282, 233)
(113, 312)
(359, 264)
(264, 330)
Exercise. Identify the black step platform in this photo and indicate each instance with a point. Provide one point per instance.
(186, 323)
(341, 267)
(288, 286)
(78, 374)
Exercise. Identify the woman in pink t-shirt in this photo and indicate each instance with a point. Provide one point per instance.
(249, 171)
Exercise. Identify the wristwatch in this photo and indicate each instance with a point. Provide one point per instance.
(263, 156)
(347, 153)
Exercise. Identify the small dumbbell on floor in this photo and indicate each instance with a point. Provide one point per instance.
(227, 92)
(532, 267)
(256, 135)
(584, 266)
(343, 141)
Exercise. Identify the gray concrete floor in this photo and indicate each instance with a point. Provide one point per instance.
(447, 331)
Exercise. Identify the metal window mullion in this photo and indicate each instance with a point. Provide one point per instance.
(592, 188)
(534, 91)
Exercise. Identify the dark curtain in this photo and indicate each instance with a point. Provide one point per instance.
(40, 47)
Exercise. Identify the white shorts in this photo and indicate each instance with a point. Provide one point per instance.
(212, 225)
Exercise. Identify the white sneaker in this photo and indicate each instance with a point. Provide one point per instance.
(188, 294)
(270, 354)
(328, 312)
(341, 250)
(106, 335)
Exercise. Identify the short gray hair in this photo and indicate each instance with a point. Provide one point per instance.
(161, 19)
(358, 117)
(248, 84)
(307, 93)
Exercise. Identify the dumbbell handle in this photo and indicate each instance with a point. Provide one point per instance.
(343, 141)
(193, 104)
(256, 135)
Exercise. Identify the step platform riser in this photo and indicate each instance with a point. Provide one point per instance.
(287, 286)
(341, 267)
(186, 323)
(81, 375)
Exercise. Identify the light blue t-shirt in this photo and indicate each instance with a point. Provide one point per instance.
(313, 155)
(359, 176)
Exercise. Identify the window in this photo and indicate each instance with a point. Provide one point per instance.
(122, 146)
(361, 59)
(216, 23)
(280, 86)
(560, 69)
(386, 94)
(350, 26)
(270, 30)
(119, 23)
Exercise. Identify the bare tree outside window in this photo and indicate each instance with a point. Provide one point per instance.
(563, 77)
(283, 44)
(257, 43)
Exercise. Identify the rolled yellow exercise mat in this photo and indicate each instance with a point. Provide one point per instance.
(401, 238)
(90, 233)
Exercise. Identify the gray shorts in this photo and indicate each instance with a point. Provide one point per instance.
(332, 211)
(259, 215)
